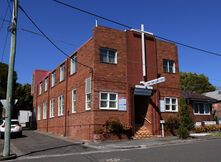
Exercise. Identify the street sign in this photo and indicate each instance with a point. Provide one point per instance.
(153, 82)
(142, 92)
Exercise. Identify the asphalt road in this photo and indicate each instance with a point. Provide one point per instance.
(196, 151)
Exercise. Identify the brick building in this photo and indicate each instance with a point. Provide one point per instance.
(74, 99)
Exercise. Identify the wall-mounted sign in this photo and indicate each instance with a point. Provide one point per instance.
(122, 104)
(142, 92)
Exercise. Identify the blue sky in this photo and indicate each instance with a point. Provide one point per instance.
(195, 23)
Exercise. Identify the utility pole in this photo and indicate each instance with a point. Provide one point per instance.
(9, 97)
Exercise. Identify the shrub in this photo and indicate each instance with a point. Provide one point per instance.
(183, 133)
(114, 126)
(98, 130)
(172, 124)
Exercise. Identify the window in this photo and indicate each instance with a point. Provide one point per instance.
(40, 89)
(44, 110)
(62, 68)
(88, 93)
(46, 84)
(108, 56)
(201, 108)
(61, 105)
(168, 66)
(171, 104)
(108, 100)
(73, 65)
(51, 114)
(53, 79)
(74, 94)
(39, 113)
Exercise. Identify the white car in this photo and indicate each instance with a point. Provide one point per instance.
(16, 128)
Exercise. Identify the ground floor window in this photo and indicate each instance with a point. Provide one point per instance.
(39, 113)
(44, 110)
(51, 114)
(60, 105)
(108, 100)
(171, 104)
(201, 108)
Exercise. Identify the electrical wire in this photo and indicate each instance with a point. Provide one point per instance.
(129, 27)
(3, 21)
(58, 48)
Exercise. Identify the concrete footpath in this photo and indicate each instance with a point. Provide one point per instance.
(35, 143)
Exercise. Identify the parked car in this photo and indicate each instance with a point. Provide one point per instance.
(16, 128)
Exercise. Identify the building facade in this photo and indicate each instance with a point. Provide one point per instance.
(99, 81)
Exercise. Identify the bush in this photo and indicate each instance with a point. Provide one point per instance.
(183, 133)
(114, 126)
(171, 124)
(208, 128)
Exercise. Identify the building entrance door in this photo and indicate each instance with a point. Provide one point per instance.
(140, 109)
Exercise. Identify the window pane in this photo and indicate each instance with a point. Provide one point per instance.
(173, 107)
(195, 107)
(104, 96)
(201, 107)
(171, 64)
(112, 104)
(103, 103)
(165, 66)
(113, 97)
(167, 101)
(111, 56)
(88, 97)
(167, 107)
(103, 55)
(174, 101)
(207, 108)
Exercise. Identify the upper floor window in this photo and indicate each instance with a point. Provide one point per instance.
(108, 100)
(88, 93)
(171, 104)
(45, 110)
(201, 109)
(169, 66)
(53, 79)
(60, 105)
(62, 69)
(73, 67)
(40, 89)
(46, 84)
(108, 56)
(74, 94)
(52, 103)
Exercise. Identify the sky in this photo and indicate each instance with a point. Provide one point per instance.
(196, 23)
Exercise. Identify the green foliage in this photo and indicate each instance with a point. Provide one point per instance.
(171, 124)
(114, 126)
(183, 133)
(186, 122)
(3, 80)
(193, 82)
(23, 94)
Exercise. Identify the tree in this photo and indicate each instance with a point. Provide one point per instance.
(4, 78)
(193, 82)
(23, 94)
(185, 121)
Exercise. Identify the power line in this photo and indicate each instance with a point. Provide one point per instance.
(58, 48)
(4, 17)
(127, 26)
(9, 6)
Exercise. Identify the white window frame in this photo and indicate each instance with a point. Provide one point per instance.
(108, 101)
(40, 88)
(73, 99)
(170, 104)
(53, 79)
(52, 104)
(168, 66)
(87, 92)
(39, 113)
(61, 105)
(73, 66)
(108, 51)
(204, 107)
(46, 84)
(44, 110)
(62, 71)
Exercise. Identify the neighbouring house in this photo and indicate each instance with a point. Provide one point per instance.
(200, 107)
(101, 80)
(216, 105)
